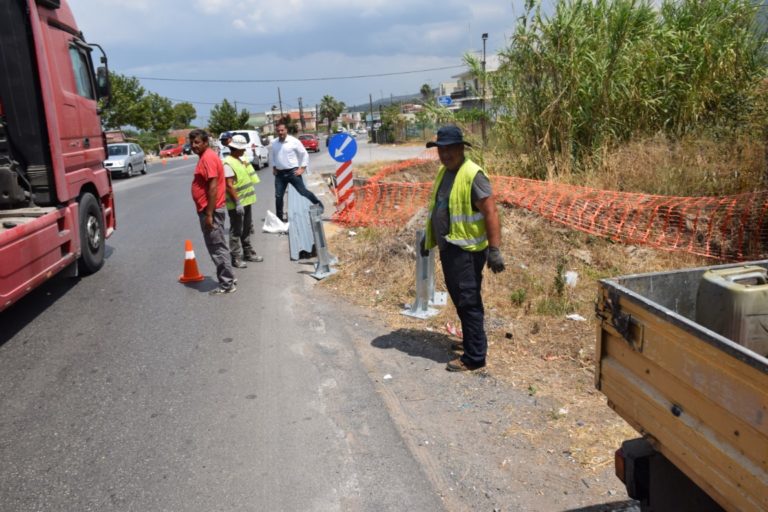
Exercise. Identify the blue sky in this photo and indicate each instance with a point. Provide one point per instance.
(288, 42)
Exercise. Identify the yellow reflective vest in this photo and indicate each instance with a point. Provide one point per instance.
(467, 226)
(245, 179)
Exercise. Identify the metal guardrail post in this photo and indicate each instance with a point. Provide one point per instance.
(323, 267)
(435, 298)
(420, 307)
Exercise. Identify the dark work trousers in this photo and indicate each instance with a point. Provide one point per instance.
(240, 228)
(463, 271)
(285, 177)
(216, 243)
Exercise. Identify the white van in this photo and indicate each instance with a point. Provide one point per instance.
(256, 152)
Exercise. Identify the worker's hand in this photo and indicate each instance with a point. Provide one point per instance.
(495, 261)
(239, 209)
(209, 222)
(274, 171)
(423, 247)
(299, 171)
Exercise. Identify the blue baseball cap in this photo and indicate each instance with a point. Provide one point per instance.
(225, 136)
(447, 136)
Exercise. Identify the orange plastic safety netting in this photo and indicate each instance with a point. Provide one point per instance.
(728, 228)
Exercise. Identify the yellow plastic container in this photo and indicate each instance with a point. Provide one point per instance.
(733, 302)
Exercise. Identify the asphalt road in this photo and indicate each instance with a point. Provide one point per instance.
(126, 390)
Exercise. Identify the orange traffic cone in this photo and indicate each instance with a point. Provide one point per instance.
(191, 273)
(163, 161)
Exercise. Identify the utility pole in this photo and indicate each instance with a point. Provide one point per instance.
(482, 121)
(280, 101)
(370, 103)
(317, 118)
(301, 116)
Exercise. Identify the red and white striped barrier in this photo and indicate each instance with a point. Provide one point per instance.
(345, 196)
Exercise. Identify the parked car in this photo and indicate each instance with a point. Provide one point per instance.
(125, 159)
(171, 150)
(187, 149)
(310, 142)
(256, 152)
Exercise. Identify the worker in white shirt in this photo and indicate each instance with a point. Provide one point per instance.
(289, 161)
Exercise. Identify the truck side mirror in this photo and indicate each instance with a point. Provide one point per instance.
(103, 89)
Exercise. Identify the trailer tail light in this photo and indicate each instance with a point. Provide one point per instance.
(2, 109)
(619, 463)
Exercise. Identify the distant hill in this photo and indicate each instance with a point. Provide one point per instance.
(365, 107)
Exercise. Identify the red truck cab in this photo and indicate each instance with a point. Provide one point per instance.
(56, 200)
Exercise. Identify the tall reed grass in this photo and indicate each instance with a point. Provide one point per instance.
(598, 73)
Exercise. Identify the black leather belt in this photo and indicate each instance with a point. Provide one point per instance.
(287, 170)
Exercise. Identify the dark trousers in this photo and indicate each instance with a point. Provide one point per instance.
(240, 228)
(216, 243)
(282, 180)
(463, 271)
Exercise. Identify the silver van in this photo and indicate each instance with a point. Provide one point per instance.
(256, 152)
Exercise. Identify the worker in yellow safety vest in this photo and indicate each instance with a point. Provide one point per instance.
(464, 224)
(241, 194)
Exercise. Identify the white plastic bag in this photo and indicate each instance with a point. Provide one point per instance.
(274, 225)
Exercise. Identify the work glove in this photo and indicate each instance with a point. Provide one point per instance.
(239, 209)
(495, 261)
(423, 247)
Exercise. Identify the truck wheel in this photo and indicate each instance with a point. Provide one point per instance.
(128, 171)
(91, 235)
(144, 169)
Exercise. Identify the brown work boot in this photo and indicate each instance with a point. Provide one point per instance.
(457, 365)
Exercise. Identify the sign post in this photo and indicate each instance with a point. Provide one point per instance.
(343, 148)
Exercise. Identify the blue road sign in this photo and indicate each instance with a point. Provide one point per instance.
(445, 101)
(342, 147)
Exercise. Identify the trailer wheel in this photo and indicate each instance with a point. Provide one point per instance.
(91, 235)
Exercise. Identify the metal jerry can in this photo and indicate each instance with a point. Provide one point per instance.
(733, 302)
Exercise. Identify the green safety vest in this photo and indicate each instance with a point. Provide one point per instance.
(245, 179)
(467, 226)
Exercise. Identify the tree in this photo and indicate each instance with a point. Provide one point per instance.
(160, 113)
(426, 93)
(183, 114)
(225, 117)
(424, 120)
(330, 109)
(126, 105)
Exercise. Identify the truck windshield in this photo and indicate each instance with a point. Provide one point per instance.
(118, 150)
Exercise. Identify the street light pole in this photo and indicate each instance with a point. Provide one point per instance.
(482, 121)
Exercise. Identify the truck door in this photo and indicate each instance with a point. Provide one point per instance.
(79, 126)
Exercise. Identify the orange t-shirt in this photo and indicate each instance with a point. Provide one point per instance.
(208, 168)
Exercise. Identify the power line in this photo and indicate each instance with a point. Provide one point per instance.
(216, 103)
(275, 80)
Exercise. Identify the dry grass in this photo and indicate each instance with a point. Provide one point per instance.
(692, 166)
(533, 346)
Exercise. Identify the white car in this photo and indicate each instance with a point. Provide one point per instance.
(256, 152)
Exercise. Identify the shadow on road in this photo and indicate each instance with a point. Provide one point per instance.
(617, 506)
(417, 343)
(22, 313)
(204, 286)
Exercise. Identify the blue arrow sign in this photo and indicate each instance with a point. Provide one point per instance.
(445, 101)
(342, 147)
